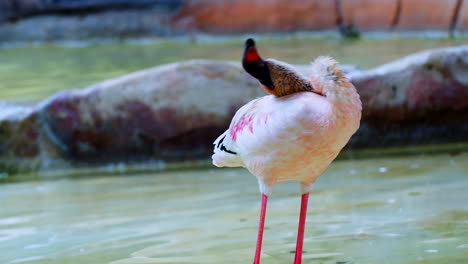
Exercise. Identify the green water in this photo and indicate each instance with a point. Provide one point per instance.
(394, 210)
(32, 73)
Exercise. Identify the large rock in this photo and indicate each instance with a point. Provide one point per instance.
(370, 14)
(24, 144)
(427, 14)
(16, 9)
(256, 15)
(419, 99)
(462, 23)
(116, 24)
(169, 112)
(175, 111)
(46, 20)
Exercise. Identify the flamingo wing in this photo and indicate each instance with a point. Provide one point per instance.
(225, 154)
(226, 150)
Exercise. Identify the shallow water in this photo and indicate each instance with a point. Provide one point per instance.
(394, 210)
(32, 73)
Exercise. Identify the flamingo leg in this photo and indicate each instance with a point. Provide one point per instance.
(300, 231)
(261, 225)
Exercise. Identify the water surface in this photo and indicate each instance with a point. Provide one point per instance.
(394, 210)
(32, 73)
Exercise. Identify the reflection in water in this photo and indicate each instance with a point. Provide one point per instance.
(413, 211)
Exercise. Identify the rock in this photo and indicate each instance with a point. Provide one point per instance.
(419, 99)
(229, 16)
(417, 85)
(15, 9)
(369, 14)
(19, 134)
(174, 112)
(6, 10)
(44, 20)
(463, 17)
(162, 113)
(71, 20)
(169, 112)
(23, 144)
(426, 14)
(119, 24)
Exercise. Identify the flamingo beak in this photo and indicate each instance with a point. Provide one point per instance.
(255, 65)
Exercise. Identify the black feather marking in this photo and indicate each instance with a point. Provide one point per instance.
(223, 148)
(220, 141)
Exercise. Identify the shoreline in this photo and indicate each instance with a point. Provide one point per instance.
(204, 38)
(118, 169)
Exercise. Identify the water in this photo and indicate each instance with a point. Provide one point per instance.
(31, 73)
(394, 210)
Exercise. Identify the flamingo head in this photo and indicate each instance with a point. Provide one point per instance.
(276, 77)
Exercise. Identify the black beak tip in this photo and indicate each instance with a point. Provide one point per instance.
(249, 43)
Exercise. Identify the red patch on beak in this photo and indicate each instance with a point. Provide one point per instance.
(252, 55)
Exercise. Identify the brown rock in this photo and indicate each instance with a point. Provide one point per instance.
(23, 145)
(15, 9)
(256, 15)
(369, 14)
(421, 98)
(426, 14)
(463, 17)
(169, 112)
(411, 87)
(18, 131)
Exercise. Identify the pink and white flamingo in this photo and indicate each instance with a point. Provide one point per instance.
(292, 134)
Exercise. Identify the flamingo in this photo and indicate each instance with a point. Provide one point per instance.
(292, 134)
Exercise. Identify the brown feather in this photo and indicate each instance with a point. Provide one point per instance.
(286, 79)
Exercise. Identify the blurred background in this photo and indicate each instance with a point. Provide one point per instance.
(108, 111)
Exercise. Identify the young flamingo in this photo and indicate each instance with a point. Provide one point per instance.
(292, 134)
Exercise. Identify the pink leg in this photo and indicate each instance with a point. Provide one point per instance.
(300, 231)
(261, 224)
